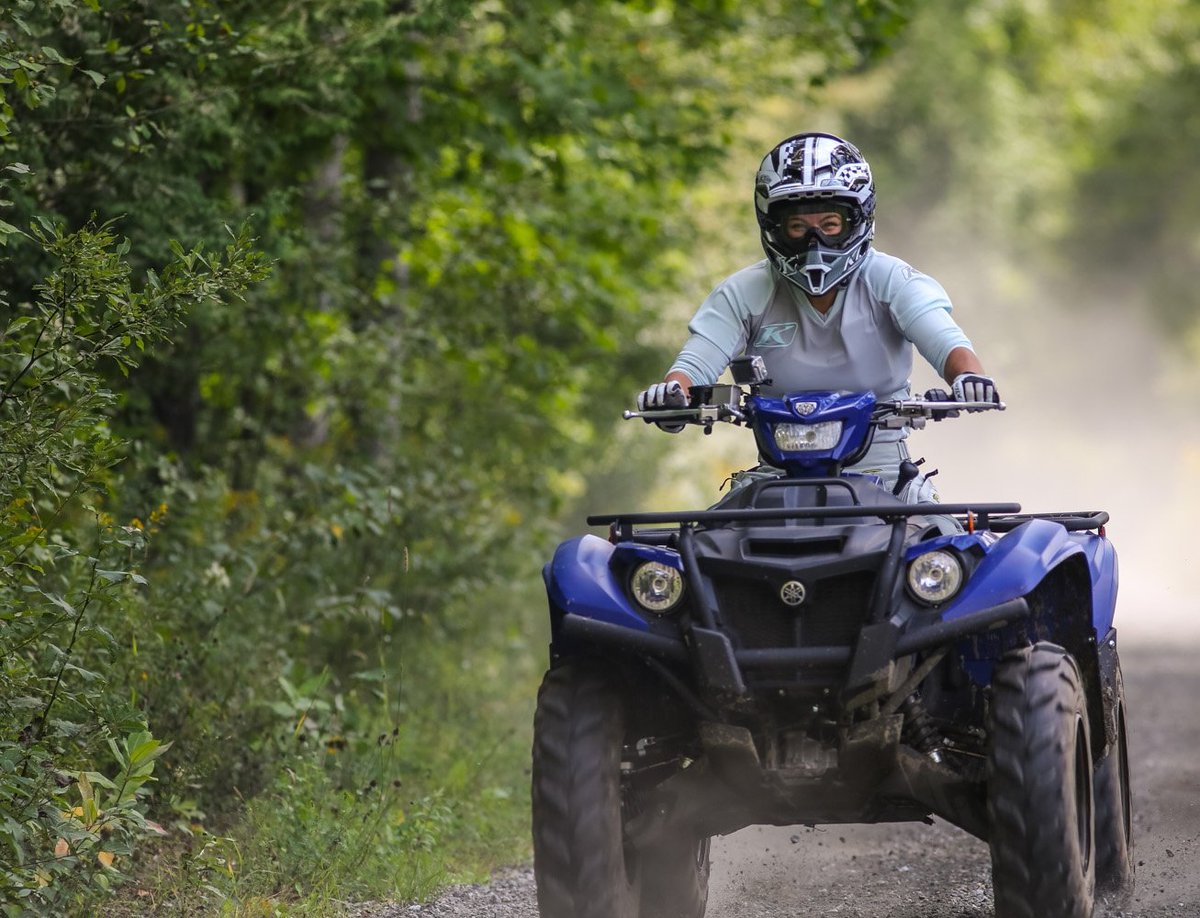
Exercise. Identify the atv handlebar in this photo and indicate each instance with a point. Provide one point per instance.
(701, 414)
(896, 413)
(891, 414)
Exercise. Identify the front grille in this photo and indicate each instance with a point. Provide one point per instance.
(836, 610)
(831, 616)
(754, 611)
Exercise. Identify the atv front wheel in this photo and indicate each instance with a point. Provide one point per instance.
(1115, 865)
(1040, 787)
(583, 865)
(674, 878)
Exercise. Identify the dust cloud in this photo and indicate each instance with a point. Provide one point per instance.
(1099, 416)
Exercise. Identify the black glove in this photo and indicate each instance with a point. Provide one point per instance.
(663, 395)
(940, 395)
(974, 387)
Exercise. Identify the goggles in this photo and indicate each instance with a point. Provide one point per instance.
(801, 224)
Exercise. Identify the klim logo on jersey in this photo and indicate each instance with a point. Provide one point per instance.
(780, 335)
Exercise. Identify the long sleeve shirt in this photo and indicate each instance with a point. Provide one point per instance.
(863, 343)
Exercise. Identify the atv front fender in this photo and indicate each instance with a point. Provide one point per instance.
(1016, 564)
(580, 581)
(1102, 560)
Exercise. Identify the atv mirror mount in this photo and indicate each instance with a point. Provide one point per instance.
(749, 370)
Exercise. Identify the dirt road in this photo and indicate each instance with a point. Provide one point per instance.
(940, 872)
(916, 871)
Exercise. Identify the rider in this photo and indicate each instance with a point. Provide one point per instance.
(825, 310)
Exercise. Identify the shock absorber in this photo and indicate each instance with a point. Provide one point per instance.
(919, 730)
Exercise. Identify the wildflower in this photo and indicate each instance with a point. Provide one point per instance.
(217, 575)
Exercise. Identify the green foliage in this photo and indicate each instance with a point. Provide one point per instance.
(65, 814)
(389, 779)
(263, 518)
(1059, 133)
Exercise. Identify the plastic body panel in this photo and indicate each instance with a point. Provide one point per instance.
(852, 409)
(1012, 566)
(585, 578)
(1015, 563)
(1102, 561)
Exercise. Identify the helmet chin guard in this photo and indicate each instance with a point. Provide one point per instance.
(819, 269)
(810, 169)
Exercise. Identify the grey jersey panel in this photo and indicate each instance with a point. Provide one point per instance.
(863, 343)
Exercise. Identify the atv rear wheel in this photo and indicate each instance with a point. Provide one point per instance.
(1115, 865)
(1040, 787)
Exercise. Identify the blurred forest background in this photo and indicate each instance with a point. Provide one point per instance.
(317, 317)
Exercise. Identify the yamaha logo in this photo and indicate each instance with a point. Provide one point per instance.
(792, 593)
(804, 409)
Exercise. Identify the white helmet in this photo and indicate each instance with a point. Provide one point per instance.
(815, 173)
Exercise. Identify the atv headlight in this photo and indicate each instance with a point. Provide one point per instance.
(797, 438)
(656, 587)
(935, 576)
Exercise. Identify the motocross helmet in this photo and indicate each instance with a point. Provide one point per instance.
(815, 173)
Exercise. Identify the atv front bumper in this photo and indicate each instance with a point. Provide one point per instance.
(720, 666)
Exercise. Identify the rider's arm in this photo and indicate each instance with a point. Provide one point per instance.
(680, 377)
(961, 360)
(921, 310)
(719, 327)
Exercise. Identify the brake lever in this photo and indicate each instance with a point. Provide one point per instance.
(700, 414)
(663, 414)
(898, 414)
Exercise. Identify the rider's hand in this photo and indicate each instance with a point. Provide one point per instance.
(974, 387)
(663, 395)
(940, 395)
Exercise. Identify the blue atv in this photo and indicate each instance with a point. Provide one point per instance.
(815, 650)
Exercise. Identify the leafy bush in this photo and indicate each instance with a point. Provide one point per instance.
(75, 758)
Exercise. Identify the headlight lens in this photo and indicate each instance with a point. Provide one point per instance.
(656, 587)
(935, 576)
(797, 438)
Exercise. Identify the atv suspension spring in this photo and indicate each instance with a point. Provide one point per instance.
(919, 730)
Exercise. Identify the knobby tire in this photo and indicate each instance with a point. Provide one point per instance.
(578, 850)
(1040, 787)
(1115, 864)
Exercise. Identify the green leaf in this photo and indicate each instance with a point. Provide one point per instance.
(97, 78)
(146, 751)
(372, 675)
(117, 752)
(54, 55)
(97, 778)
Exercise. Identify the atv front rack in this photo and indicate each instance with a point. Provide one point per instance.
(998, 517)
(721, 665)
(1073, 521)
(981, 513)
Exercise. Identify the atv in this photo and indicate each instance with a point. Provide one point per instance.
(816, 650)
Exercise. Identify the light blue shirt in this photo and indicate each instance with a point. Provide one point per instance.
(863, 343)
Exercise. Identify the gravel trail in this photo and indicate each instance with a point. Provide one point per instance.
(916, 871)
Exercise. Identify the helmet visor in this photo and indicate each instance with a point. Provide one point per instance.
(801, 224)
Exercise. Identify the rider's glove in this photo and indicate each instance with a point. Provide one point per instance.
(940, 395)
(974, 387)
(663, 395)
